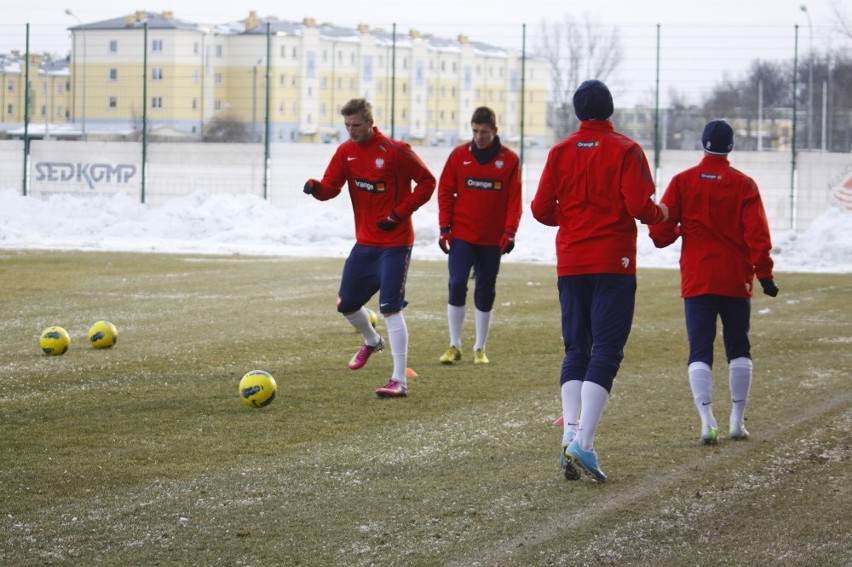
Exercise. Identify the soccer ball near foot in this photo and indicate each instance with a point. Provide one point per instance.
(257, 388)
(374, 319)
(54, 341)
(103, 334)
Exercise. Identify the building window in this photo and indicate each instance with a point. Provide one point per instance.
(11, 87)
(113, 46)
(217, 104)
(157, 45)
(157, 74)
(310, 65)
(195, 48)
(157, 102)
(419, 74)
(217, 78)
(219, 50)
(113, 102)
(10, 109)
(368, 68)
(195, 104)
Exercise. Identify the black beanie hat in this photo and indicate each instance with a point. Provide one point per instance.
(592, 101)
(717, 138)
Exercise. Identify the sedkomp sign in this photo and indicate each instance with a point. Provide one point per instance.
(92, 174)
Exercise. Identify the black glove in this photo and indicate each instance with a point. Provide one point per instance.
(390, 223)
(446, 239)
(507, 242)
(311, 185)
(769, 287)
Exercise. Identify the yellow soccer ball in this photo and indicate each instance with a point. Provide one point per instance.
(257, 388)
(103, 334)
(54, 341)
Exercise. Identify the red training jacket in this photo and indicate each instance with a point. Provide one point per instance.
(594, 184)
(718, 212)
(480, 202)
(379, 174)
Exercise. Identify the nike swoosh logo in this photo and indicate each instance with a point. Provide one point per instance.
(350, 158)
(467, 162)
(737, 401)
(706, 403)
(383, 304)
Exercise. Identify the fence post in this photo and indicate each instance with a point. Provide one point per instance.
(794, 172)
(266, 159)
(144, 108)
(26, 176)
(523, 91)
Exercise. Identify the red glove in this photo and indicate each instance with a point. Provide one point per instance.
(446, 239)
(507, 242)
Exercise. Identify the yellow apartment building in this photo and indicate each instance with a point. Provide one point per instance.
(184, 77)
(49, 97)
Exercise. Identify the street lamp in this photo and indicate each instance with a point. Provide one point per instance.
(83, 105)
(804, 9)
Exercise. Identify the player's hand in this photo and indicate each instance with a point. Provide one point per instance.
(665, 210)
(311, 185)
(446, 239)
(769, 287)
(390, 223)
(507, 242)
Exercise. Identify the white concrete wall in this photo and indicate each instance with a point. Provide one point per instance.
(174, 170)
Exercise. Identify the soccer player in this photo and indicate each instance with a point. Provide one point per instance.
(479, 209)
(718, 214)
(379, 173)
(594, 184)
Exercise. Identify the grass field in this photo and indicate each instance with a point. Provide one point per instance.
(144, 455)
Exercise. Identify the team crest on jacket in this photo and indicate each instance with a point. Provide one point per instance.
(499, 164)
(380, 163)
(625, 261)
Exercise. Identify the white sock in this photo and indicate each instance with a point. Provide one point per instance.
(361, 321)
(571, 405)
(701, 382)
(740, 372)
(483, 323)
(593, 401)
(398, 339)
(455, 318)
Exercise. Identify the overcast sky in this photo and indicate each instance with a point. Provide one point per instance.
(700, 41)
(475, 18)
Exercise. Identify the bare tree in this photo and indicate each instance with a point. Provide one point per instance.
(576, 51)
(844, 24)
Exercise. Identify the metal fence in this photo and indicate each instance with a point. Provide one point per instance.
(151, 79)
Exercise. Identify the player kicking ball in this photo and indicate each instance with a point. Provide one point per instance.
(379, 173)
